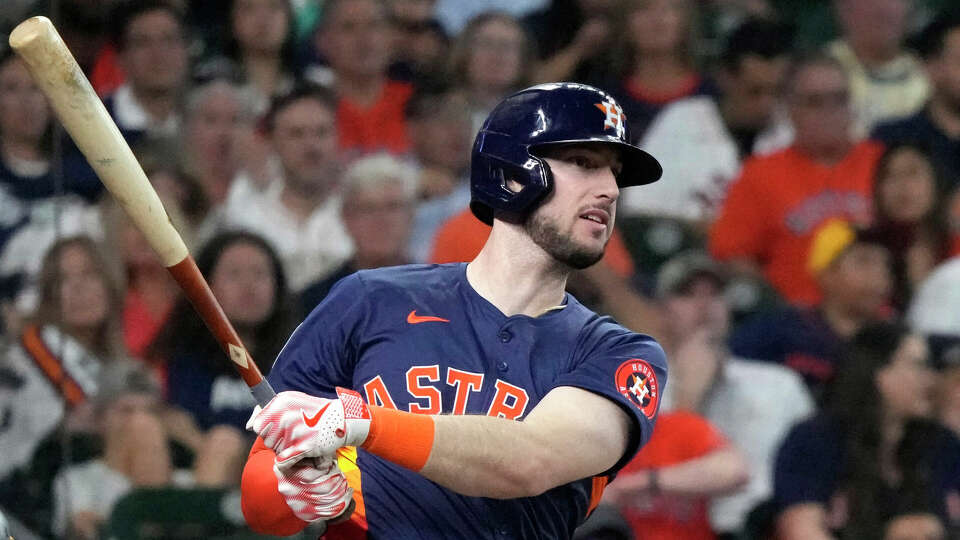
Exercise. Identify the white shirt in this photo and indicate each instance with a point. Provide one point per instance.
(309, 249)
(896, 89)
(90, 486)
(753, 404)
(131, 116)
(699, 159)
(935, 308)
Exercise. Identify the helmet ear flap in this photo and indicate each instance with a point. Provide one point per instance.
(506, 177)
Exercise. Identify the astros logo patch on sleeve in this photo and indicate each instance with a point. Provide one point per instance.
(637, 381)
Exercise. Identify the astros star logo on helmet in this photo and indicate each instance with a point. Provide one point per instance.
(614, 119)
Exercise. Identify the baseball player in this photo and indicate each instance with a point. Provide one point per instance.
(475, 400)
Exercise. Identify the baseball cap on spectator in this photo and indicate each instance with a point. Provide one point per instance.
(678, 273)
(833, 239)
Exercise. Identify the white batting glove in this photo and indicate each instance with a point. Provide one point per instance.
(314, 489)
(296, 425)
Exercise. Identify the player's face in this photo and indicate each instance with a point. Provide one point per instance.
(244, 283)
(576, 220)
(305, 139)
(906, 383)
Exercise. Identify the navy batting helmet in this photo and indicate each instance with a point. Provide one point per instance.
(509, 143)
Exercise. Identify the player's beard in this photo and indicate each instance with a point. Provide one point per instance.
(559, 245)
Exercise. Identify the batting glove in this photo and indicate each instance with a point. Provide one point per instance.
(314, 489)
(297, 426)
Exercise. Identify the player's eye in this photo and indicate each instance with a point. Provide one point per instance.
(583, 161)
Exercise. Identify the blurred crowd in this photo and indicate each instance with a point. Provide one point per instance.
(799, 261)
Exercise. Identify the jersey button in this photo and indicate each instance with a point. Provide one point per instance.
(502, 366)
(505, 336)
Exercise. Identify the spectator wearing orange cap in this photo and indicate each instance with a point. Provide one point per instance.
(852, 268)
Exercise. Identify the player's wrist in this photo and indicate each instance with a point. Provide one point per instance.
(403, 438)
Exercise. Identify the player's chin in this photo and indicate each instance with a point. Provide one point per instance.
(584, 255)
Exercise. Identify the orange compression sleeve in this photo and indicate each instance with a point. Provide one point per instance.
(264, 507)
(400, 437)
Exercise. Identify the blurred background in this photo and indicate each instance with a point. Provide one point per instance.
(798, 260)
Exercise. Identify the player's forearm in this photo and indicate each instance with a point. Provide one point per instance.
(491, 457)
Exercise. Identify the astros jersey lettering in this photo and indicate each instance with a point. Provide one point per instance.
(420, 339)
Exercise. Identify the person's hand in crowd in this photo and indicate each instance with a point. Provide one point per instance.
(85, 525)
(181, 427)
(696, 363)
(592, 36)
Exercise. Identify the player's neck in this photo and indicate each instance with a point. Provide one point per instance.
(515, 275)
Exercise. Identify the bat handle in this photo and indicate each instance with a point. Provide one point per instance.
(262, 392)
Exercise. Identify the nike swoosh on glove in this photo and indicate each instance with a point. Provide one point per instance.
(297, 426)
(314, 489)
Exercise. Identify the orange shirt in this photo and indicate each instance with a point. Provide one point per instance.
(680, 436)
(773, 209)
(379, 127)
(461, 238)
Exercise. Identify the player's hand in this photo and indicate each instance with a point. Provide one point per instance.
(296, 425)
(314, 489)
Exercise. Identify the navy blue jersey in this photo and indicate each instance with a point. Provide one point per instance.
(419, 338)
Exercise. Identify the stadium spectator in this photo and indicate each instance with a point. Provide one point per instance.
(915, 525)
(35, 199)
(654, 64)
(702, 140)
(135, 452)
(934, 313)
(571, 37)
(354, 40)
(50, 374)
(441, 131)
(910, 217)
(887, 82)
(948, 399)
(420, 42)
(220, 148)
(300, 214)
(852, 268)
(260, 52)
(845, 470)
(937, 126)
(246, 276)
(774, 207)
(149, 292)
(752, 403)
(490, 59)
(152, 48)
(664, 492)
(379, 194)
(456, 15)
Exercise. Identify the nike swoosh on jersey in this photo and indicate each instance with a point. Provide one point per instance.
(413, 318)
(312, 422)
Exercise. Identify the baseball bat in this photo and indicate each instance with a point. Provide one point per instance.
(85, 118)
